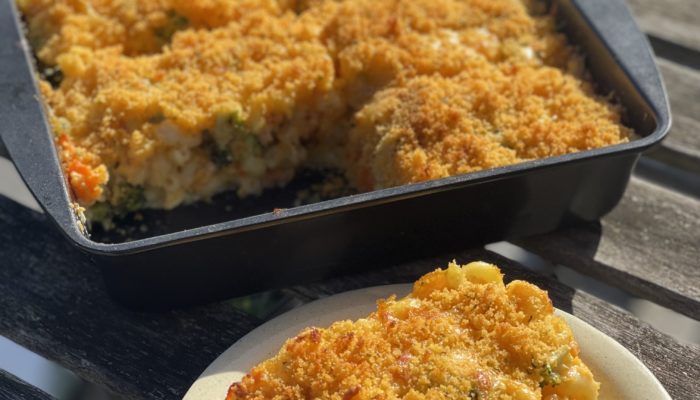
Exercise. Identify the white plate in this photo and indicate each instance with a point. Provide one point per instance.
(621, 374)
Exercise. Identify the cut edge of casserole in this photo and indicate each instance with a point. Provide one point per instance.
(165, 102)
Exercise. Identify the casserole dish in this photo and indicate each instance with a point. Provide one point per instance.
(203, 252)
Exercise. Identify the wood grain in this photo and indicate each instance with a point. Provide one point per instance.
(12, 388)
(54, 303)
(648, 245)
(674, 364)
(59, 309)
(673, 27)
(681, 148)
(676, 21)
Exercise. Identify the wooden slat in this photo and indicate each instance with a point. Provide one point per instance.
(673, 27)
(682, 146)
(674, 364)
(158, 355)
(196, 339)
(53, 302)
(12, 388)
(649, 246)
(676, 21)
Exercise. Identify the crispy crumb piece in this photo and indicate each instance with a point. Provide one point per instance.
(460, 334)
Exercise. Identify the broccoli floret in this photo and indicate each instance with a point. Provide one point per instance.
(230, 140)
(235, 122)
(219, 155)
(227, 127)
(125, 198)
(101, 212)
(130, 198)
(549, 377)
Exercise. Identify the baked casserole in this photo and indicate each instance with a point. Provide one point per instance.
(157, 103)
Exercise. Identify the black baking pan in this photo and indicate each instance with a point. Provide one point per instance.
(230, 247)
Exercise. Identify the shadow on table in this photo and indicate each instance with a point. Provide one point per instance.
(55, 304)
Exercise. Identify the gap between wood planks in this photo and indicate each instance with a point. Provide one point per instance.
(665, 320)
(681, 148)
(666, 176)
(12, 388)
(676, 21)
(673, 29)
(646, 246)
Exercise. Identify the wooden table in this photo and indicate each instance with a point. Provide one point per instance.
(53, 301)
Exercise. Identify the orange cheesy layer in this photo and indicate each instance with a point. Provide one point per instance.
(461, 334)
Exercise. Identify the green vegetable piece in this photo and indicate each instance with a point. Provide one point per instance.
(101, 212)
(130, 198)
(230, 132)
(127, 198)
(218, 154)
(474, 394)
(549, 377)
(235, 121)
(227, 127)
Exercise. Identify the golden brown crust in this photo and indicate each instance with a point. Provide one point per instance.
(460, 334)
(135, 27)
(260, 68)
(390, 91)
(435, 127)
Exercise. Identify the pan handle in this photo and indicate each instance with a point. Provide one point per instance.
(613, 23)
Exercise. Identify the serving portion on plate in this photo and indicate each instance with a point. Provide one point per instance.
(461, 333)
(161, 103)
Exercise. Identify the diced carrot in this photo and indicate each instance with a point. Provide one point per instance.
(85, 179)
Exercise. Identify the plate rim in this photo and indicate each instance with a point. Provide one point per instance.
(312, 309)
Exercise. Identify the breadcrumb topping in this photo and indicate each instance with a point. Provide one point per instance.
(461, 334)
(185, 99)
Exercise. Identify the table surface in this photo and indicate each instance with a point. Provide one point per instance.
(53, 301)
